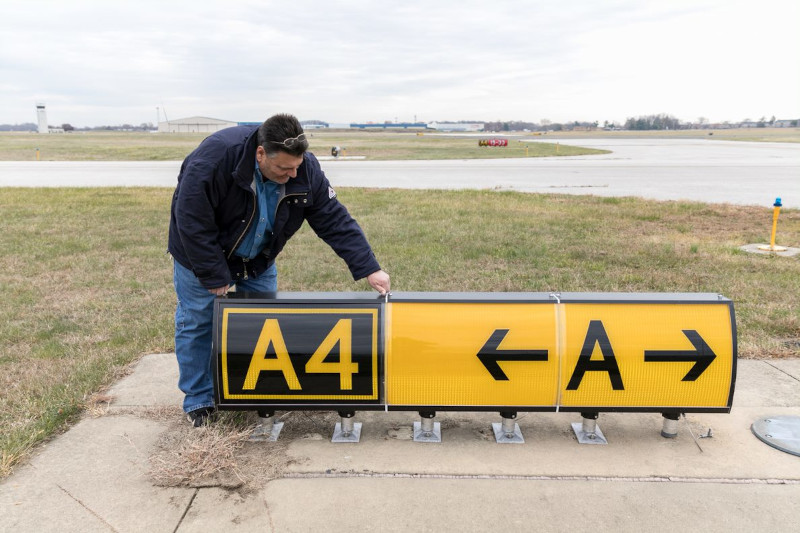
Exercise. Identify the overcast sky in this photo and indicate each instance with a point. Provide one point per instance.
(113, 62)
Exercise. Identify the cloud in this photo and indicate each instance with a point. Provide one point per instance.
(96, 62)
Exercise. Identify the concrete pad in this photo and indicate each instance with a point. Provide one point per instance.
(766, 383)
(387, 504)
(791, 367)
(39, 506)
(788, 251)
(93, 478)
(95, 475)
(153, 382)
(636, 448)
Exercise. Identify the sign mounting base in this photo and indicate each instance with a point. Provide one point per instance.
(502, 436)
(588, 437)
(781, 432)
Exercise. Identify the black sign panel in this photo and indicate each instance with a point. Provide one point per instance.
(297, 354)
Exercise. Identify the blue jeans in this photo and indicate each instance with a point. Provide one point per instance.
(194, 317)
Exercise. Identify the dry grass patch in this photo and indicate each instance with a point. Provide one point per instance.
(199, 457)
(221, 454)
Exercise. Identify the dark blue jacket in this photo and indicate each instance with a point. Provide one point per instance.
(214, 205)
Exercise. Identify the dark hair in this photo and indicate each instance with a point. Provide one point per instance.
(279, 128)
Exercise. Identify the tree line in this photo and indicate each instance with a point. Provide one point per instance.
(653, 122)
(661, 121)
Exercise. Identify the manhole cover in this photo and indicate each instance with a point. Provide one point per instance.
(781, 432)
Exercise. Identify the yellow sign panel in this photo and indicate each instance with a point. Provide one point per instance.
(471, 354)
(593, 353)
(640, 355)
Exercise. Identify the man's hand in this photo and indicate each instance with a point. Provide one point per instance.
(379, 281)
(219, 291)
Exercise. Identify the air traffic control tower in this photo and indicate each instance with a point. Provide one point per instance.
(42, 118)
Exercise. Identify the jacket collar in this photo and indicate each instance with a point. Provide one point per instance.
(243, 173)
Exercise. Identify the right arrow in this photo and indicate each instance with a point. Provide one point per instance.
(702, 356)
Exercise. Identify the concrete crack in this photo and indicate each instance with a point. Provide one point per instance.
(781, 370)
(269, 515)
(76, 500)
(185, 511)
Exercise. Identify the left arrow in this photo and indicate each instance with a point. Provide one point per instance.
(490, 355)
(702, 356)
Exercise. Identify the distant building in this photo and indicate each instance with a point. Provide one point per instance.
(194, 125)
(456, 126)
(389, 126)
(41, 116)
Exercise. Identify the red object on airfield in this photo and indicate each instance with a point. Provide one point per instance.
(493, 142)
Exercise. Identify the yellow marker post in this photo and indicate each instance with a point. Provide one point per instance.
(775, 212)
(37, 154)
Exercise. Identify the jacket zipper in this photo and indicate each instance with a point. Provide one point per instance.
(241, 236)
(252, 215)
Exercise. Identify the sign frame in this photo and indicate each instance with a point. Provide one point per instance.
(344, 304)
(497, 351)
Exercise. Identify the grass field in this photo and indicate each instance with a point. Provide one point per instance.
(121, 146)
(87, 284)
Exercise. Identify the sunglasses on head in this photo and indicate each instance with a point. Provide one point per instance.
(291, 141)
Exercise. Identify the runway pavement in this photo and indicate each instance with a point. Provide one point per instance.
(741, 173)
